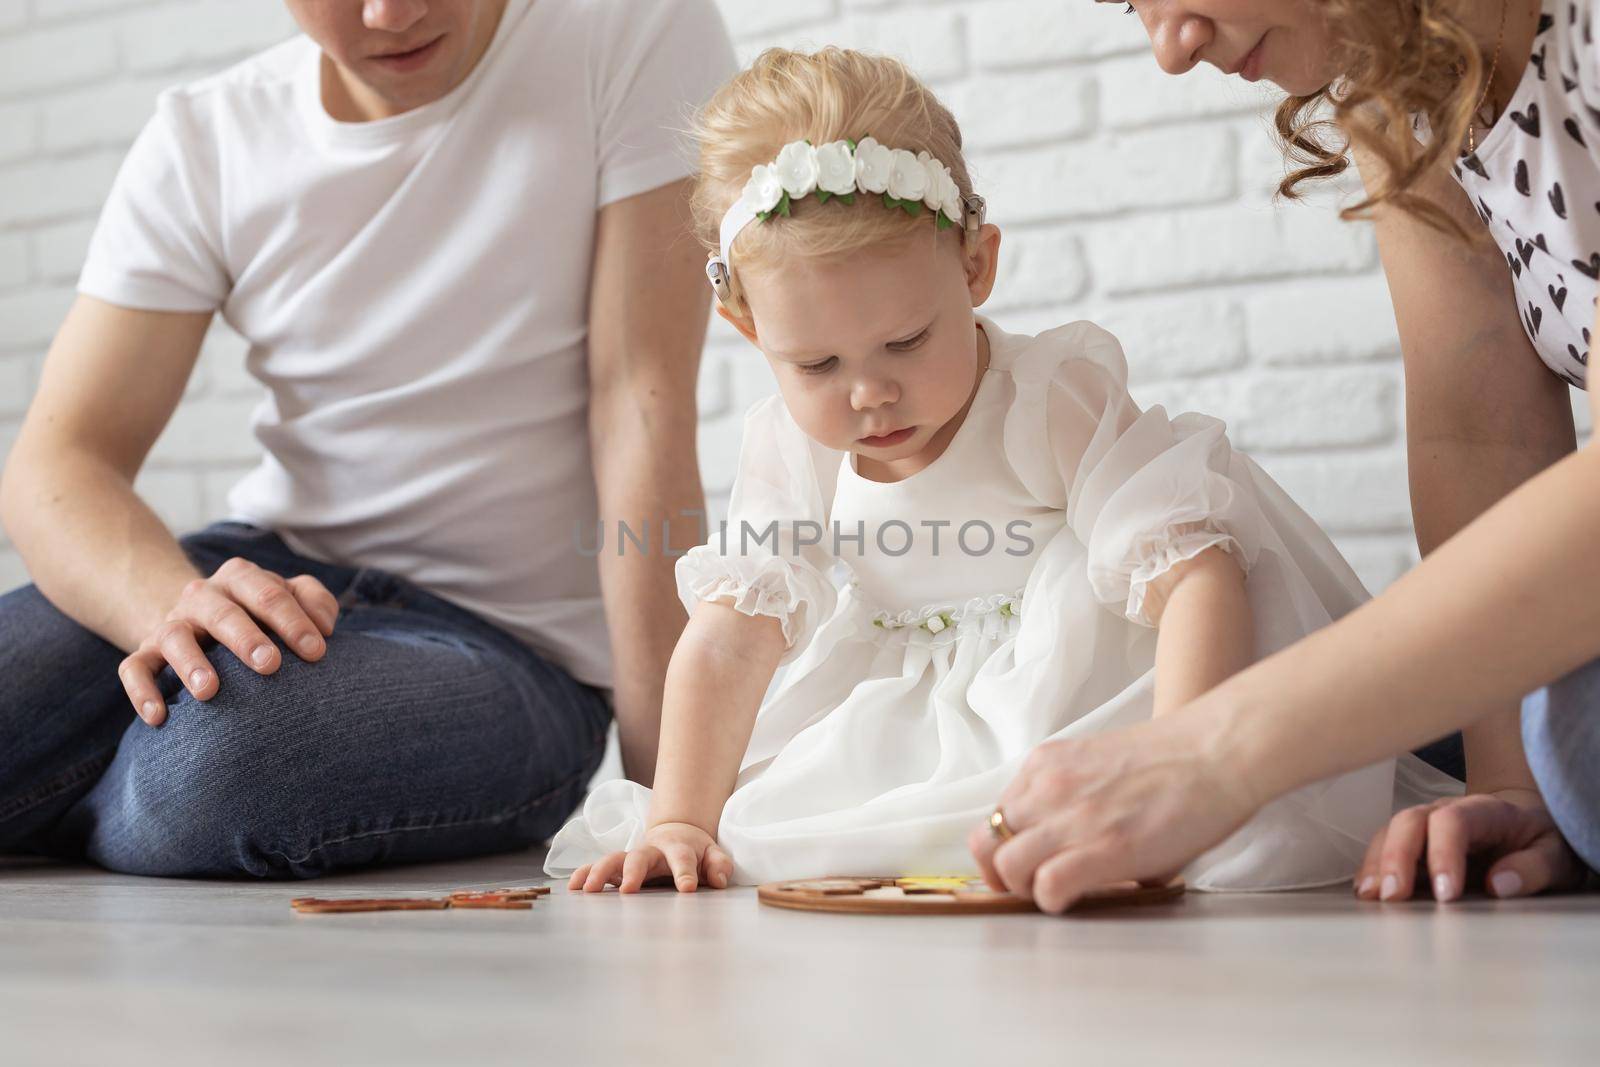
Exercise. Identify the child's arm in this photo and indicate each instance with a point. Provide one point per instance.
(718, 675)
(1207, 631)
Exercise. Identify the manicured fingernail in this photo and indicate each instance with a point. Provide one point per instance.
(262, 655)
(197, 680)
(1366, 885)
(309, 644)
(150, 709)
(1506, 884)
(1391, 887)
(1444, 887)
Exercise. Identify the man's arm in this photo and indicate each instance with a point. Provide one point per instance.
(111, 382)
(648, 309)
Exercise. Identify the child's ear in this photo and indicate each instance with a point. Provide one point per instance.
(982, 255)
(743, 323)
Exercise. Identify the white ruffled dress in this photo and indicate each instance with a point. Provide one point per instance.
(918, 683)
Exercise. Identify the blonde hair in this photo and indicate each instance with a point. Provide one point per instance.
(1400, 61)
(823, 96)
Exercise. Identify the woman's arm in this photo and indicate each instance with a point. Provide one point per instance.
(1508, 603)
(1207, 632)
(715, 682)
(1483, 414)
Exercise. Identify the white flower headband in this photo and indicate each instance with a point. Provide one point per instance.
(906, 181)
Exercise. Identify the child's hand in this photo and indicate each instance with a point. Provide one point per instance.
(676, 850)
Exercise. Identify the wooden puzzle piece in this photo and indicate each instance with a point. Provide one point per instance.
(931, 884)
(510, 898)
(319, 905)
(511, 893)
(489, 900)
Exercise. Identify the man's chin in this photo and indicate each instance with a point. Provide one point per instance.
(408, 94)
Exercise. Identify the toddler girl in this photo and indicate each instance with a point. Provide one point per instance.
(963, 542)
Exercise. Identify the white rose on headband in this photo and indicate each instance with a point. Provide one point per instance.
(836, 169)
(950, 197)
(797, 169)
(907, 178)
(933, 195)
(874, 163)
(763, 191)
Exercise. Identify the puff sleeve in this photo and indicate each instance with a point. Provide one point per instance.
(771, 556)
(1142, 492)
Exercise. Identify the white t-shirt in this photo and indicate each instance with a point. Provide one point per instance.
(415, 292)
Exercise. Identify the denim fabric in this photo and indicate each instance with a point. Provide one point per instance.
(425, 733)
(1561, 733)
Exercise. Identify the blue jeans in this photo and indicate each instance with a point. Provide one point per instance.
(423, 734)
(1561, 733)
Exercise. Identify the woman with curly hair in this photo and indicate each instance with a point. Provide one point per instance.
(1475, 128)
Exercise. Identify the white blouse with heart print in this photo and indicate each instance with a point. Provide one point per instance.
(1535, 182)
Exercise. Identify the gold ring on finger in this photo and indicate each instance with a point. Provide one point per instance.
(998, 827)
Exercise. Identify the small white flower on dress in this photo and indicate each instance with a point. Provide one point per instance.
(934, 624)
(797, 169)
(763, 191)
(874, 164)
(836, 169)
(908, 180)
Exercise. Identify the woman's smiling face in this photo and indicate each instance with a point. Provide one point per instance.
(1283, 41)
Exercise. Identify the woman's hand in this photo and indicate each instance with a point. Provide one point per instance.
(230, 608)
(677, 850)
(1136, 804)
(1509, 831)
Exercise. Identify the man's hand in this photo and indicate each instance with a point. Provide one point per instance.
(229, 608)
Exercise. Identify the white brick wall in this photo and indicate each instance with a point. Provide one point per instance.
(1138, 200)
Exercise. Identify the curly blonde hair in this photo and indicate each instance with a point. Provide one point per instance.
(822, 96)
(1402, 61)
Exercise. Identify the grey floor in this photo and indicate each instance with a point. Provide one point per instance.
(101, 968)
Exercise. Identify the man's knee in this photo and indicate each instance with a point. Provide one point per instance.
(42, 649)
(1561, 736)
(216, 790)
(62, 712)
(338, 764)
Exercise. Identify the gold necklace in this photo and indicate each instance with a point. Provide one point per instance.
(1488, 83)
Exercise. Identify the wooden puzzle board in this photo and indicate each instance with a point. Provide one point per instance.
(939, 896)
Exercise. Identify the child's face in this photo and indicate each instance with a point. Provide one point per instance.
(1283, 41)
(877, 351)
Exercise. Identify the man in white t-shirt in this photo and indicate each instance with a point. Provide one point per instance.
(452, 233)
